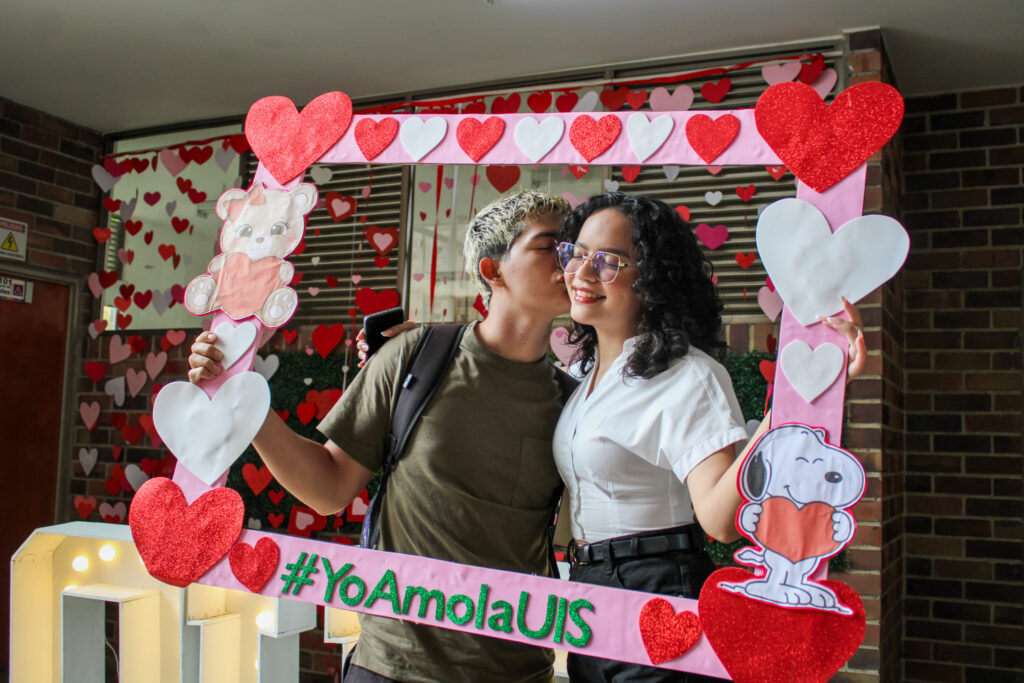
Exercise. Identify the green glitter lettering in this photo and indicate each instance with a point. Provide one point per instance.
(574, 613)
(387, 581)
(503, 620)
(549, 620)
(450, 609)
(560, 620)
(333, 576)
(353, 600)
(425, 597)
(481, 605)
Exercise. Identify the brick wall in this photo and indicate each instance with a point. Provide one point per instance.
(963, 159)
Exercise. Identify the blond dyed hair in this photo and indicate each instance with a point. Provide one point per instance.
(491, 233)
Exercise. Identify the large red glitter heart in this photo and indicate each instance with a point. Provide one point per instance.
(179, 542)
(708, 137)
(823, 144)
(758, 642)
(253, 567)
(476, 137)
(667, 635)
(287, 142)
(590, 137)
(373, 137)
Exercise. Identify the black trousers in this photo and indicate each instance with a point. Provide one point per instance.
(679, 573)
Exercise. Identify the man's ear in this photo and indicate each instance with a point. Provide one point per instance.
(490, 273)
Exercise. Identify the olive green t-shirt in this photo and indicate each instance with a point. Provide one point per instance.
(474, 486)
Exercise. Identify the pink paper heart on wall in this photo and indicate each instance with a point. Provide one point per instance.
(825, 82)
(171, 161)
(780, 73)
(712, 237)
(680, 100)
(770, 302)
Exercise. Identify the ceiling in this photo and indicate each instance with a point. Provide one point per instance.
(117, 65)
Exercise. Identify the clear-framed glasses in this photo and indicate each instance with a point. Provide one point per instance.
(605, 264)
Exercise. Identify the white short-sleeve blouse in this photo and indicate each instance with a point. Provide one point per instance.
(625, 450)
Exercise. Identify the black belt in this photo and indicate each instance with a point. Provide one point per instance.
(639, 545)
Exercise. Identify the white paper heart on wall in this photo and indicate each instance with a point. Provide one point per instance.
(645, 137)
(208, 435)
(811, 371)
(812, 267)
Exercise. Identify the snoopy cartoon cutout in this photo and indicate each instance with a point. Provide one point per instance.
(800, 490)
(250, 276)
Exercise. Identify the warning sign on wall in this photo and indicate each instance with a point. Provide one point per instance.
(13, 240)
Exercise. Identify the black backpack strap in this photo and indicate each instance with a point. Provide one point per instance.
(428, 364)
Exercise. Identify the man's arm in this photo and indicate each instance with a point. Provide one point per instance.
(322, 476)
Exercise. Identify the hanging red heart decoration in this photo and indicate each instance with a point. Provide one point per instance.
(370, 301)
(325, 338)
(539, 102)
(383, 240)
(667, 635)
(339, 206)
(710, 137)
(253, 566)
(503, 177)
(590, 137)
(177, 541)
(287, 142)
(476, 137)
(715, 92)
(822, 144)
(373, 137)
(757, 641)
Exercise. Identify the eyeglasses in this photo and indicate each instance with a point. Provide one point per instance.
(606, 265)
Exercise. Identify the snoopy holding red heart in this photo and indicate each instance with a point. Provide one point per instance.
(799, 489)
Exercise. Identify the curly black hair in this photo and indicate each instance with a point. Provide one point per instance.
(679, 306)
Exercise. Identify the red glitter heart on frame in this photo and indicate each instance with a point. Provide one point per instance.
(177, 541)
(590, 137)
(710, 137)
(253, 566)
(373, 137)
(667, 635)
(287, 142)
(758, 642)
(823, 144)
(476, 137)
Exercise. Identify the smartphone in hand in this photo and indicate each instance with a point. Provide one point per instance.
(375, 323)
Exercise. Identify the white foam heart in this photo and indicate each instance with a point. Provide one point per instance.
(155, 363)
(208, 435)
(645, 137)
(135, 476)
(812, 267)
(321, 174)
(88, 458)
(136, 379)
(115, 388)
(266, 366)
(234, 341)
(419, 137)
(536, 138)
(713, 198)
(811, 371)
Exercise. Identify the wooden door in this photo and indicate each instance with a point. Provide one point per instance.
(33, 338)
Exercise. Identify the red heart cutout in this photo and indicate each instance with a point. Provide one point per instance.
(746, 260)
(758, 642)
(101, 234)
(131, 434)
(276, 496)
(179, 542)
(823, 144)
(85, 506)
(148, 237)
(275, 519)
(339, 206)
(476, 137)
(578, 170)
(767, 368)
(503, 177)
(239, 143)
(539, 102)
(636, 98)
(287, 142)
(326, 338)
(810, 72)
(253, 567)
(180, 225)
(614, 98)
(107, 278)
(184, 185)
(745, 193)
(776, 172)
(289, 335)
(506, 105)
(115, 451)
(305, 411)
(324, 400)
(667, 635)
(96, 371)
(716, 92)
(478, 107)
(122, 303)
(123, 321)
(590, 137)
(383, 240)
(630, 173)
(478, 305)
(142, 299)
(126, 290)
(369, 301)
(331, 280)
(709, 138)
(684, 212)
(200, 155)
(196, 197)
(151, 198)
(111, 204)
(565, 103)
(373, 137)
(166, 251)
(137, 343)
(771, 343)
(381, 261)
(258, 478)
(283, 414)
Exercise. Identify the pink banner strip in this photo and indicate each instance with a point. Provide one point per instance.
(535, 610)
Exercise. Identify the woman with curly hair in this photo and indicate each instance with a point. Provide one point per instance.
(646, 443)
